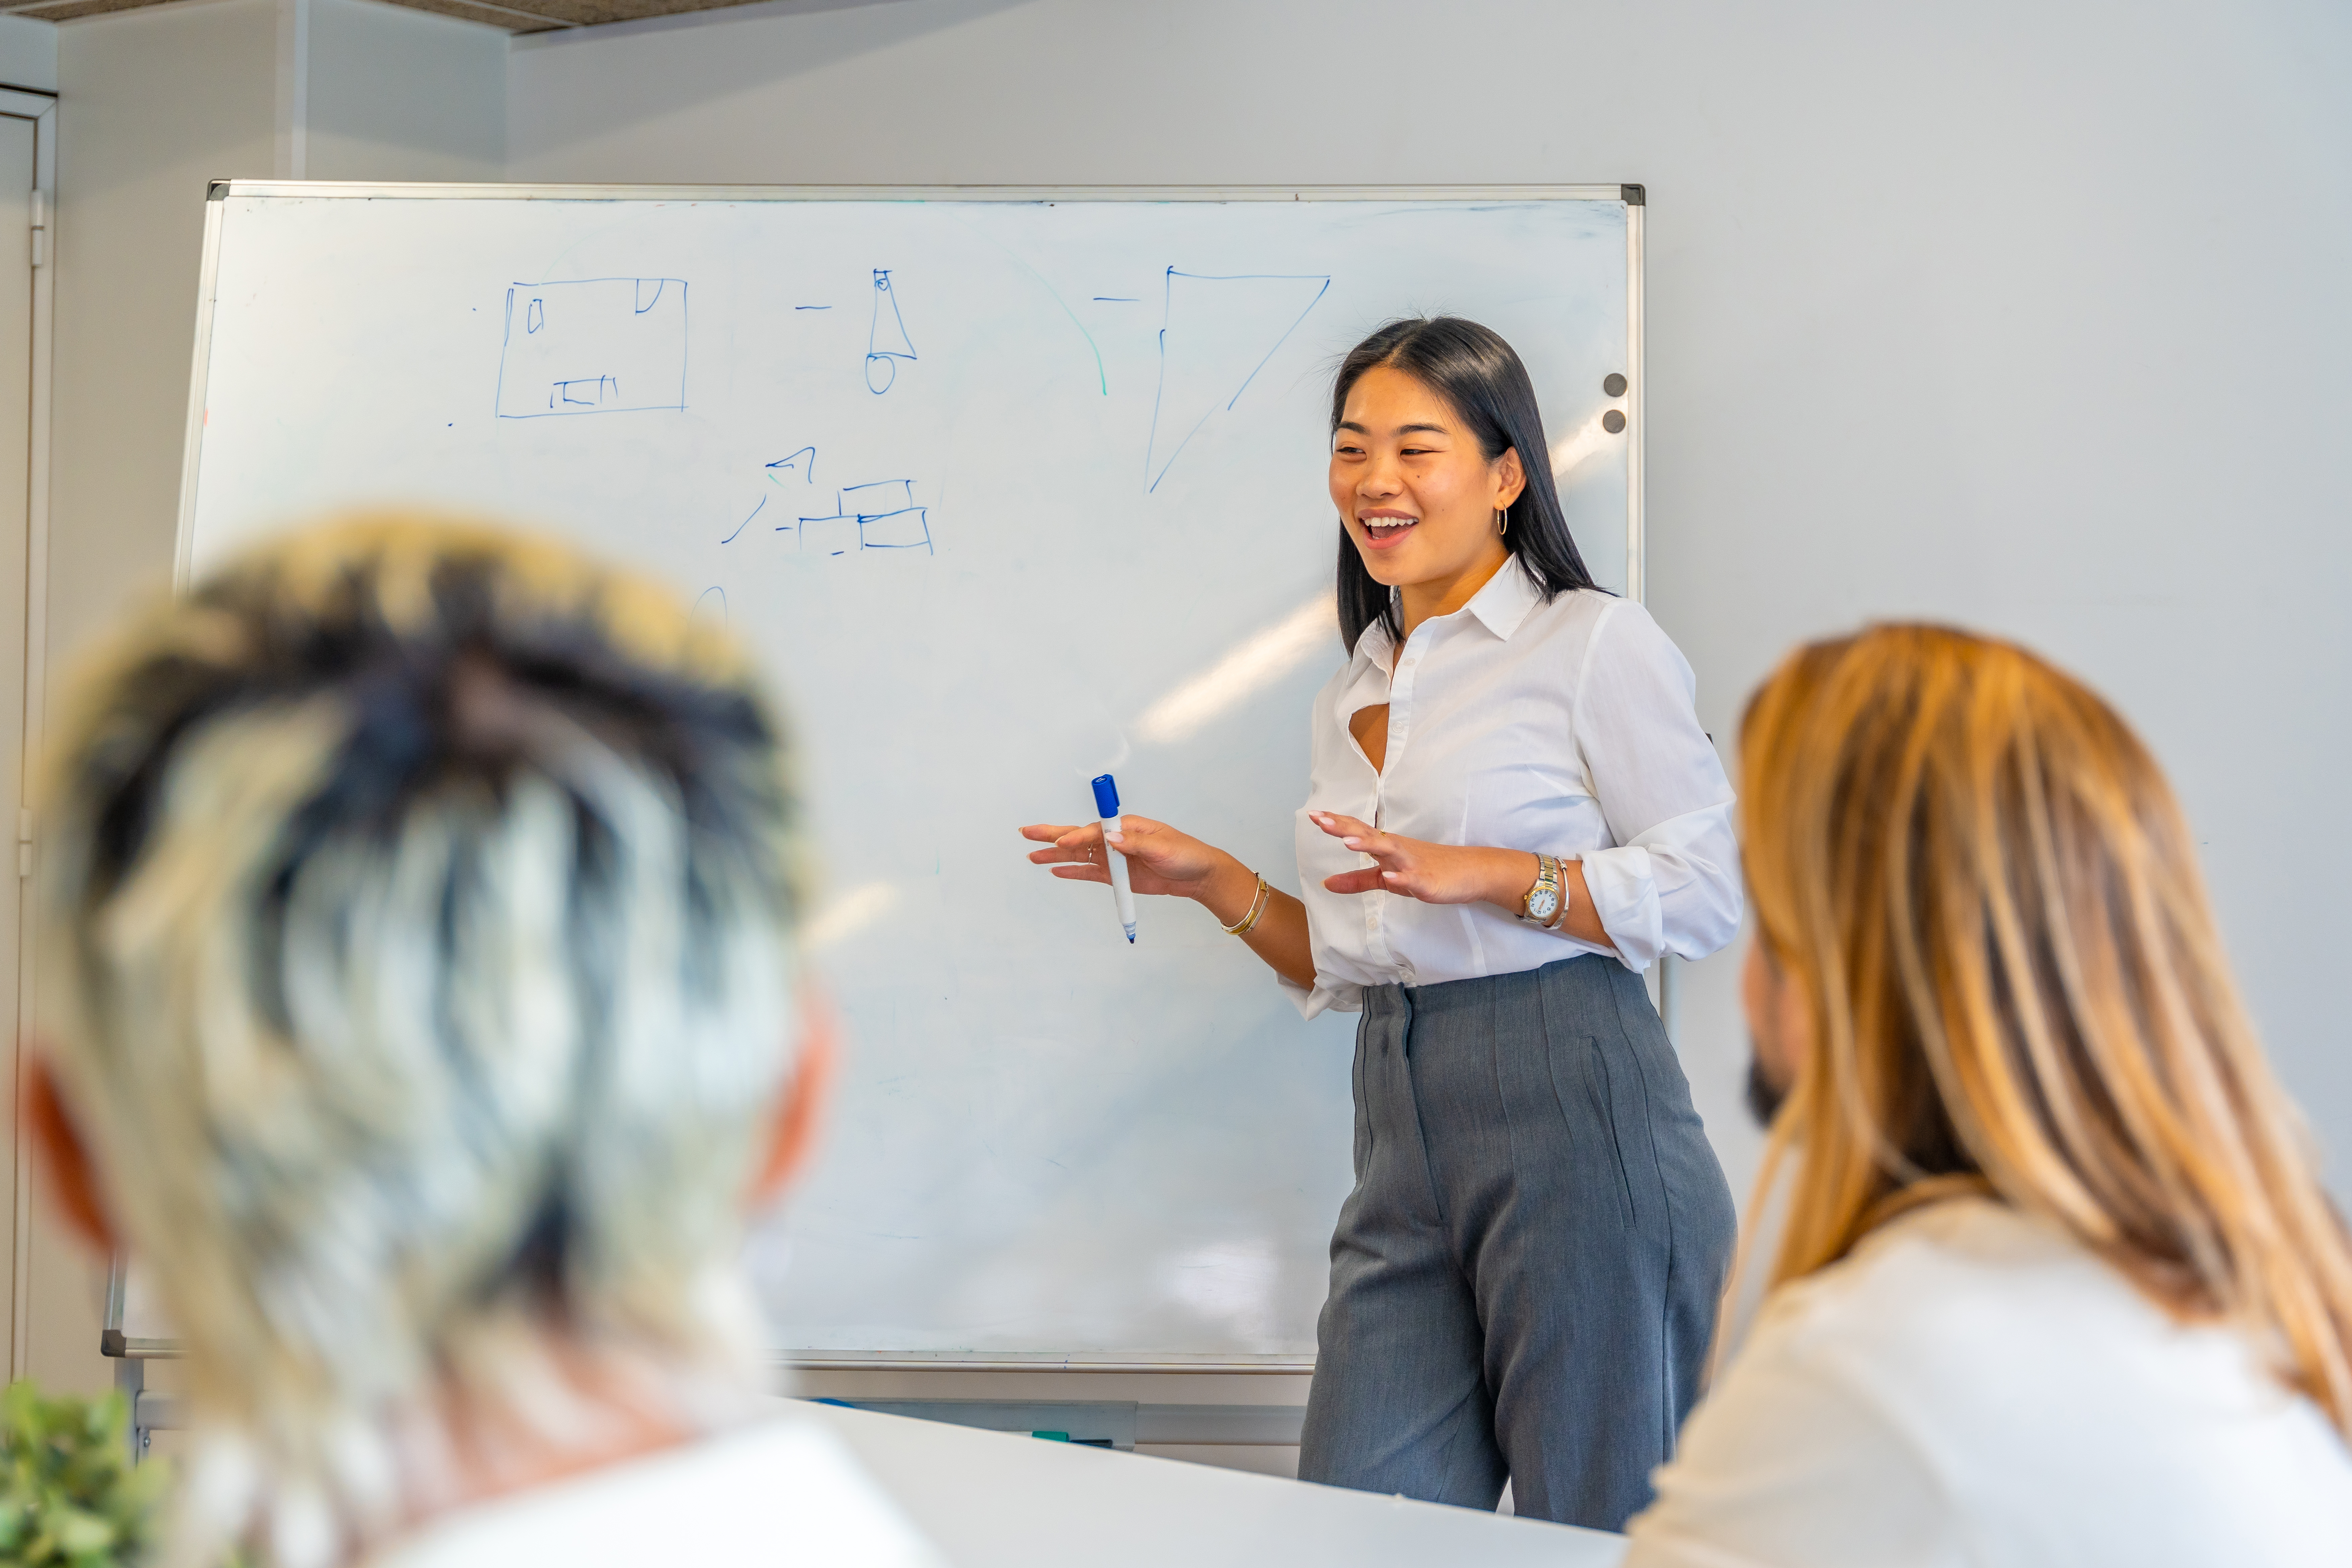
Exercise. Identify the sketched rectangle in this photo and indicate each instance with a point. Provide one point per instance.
(593, 345)
(835, 535)
(881, 496)
(907, 528)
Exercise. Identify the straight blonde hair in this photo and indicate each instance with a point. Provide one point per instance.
(1986, 891)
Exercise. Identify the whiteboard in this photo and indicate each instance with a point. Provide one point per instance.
(1005, 488)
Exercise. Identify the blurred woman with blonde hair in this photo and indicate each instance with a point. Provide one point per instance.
(2058, 1282)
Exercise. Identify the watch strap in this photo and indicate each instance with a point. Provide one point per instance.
(1548, 879)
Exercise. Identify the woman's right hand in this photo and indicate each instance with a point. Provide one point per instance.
(1159, 860)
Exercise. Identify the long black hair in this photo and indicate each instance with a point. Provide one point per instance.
(1479, 375)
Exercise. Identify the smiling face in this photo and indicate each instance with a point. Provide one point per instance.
(1415, 492)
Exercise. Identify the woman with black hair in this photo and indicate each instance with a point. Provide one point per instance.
(1512, 813)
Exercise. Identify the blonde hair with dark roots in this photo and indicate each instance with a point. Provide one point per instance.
(418, 899)
(1983, 886)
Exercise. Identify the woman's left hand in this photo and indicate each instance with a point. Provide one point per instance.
(1432, 873)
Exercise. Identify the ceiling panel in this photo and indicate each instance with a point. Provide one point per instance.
(514, 15)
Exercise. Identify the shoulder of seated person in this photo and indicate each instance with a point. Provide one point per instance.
(2045, 1394)
(1966, 1267)
(705, 1500)
(1971, 1304)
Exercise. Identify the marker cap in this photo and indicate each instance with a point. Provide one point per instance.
(1105, 798)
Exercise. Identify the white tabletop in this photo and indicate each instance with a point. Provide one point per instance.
(992, 1498)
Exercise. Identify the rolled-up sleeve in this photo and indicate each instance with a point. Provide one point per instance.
(1671, 883)
(1325, 996)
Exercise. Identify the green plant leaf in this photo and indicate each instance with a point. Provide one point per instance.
(69, 1494)
(80, 1532)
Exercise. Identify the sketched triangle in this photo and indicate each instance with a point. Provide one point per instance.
(887, 337)
(1217, 333)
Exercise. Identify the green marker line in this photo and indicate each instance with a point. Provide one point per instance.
(1101, 377)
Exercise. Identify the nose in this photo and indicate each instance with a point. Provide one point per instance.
(1381, 478)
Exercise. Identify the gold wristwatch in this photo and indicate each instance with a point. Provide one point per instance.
(1542, 905)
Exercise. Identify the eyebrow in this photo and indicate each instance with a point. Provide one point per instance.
(1400, 430)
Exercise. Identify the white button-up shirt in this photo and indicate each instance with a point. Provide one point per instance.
(1971, 1384)
(1564, 728)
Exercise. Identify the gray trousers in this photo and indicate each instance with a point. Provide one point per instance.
(1524, 1281)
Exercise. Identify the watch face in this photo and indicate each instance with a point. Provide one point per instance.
(1542, 904)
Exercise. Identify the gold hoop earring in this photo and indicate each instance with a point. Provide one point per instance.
(1503, 523)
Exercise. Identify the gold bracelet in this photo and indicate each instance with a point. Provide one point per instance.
(1558, 922)
(1258, 902)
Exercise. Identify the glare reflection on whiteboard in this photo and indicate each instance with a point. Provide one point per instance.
(1232, 1283)
(1259, 662)
(1572, 449)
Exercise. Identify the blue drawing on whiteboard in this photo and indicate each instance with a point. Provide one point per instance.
(1217, 334)
(887, 517)
(747, 522)
(712, 605)
(879, 516)
(885, 342)
(801, 464)
(593, 345)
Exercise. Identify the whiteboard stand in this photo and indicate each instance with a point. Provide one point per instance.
(131, 1356)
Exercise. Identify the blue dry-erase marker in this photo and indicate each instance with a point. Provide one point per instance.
(1107, 807)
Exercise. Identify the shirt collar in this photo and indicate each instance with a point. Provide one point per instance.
(1500, 605)
(1506, 599)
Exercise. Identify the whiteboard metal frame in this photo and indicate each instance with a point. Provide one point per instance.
(1633, 196)
(1637, 566)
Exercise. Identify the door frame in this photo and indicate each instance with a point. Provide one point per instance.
(41, 109)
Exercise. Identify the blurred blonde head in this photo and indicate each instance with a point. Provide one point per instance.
(1982, 885)
(418, 901)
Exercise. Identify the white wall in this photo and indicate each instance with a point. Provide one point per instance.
(154, 103)
(149, 104)
(28, 54)
(397, 94)
(28, 60)
(2032, 316)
